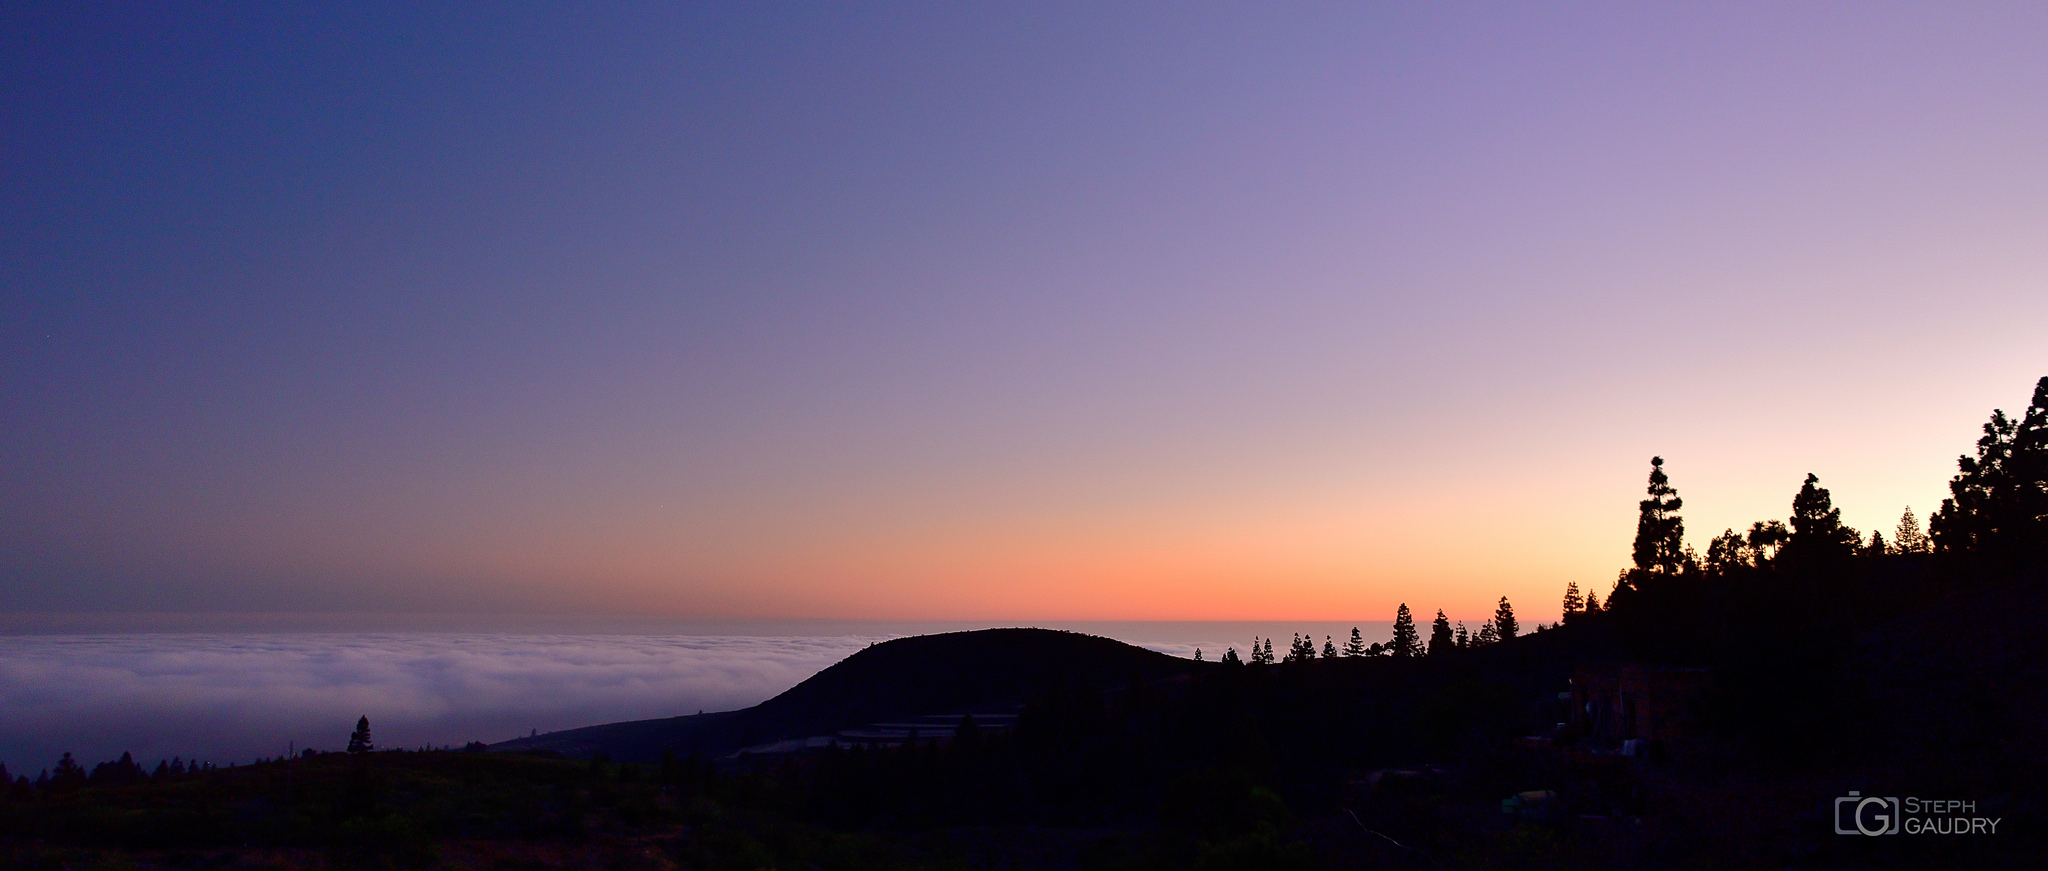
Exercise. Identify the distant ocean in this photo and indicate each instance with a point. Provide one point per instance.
(218, 691)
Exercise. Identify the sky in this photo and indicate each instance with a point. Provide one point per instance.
(946, 312)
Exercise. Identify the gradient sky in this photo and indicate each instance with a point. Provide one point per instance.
(1093, 311)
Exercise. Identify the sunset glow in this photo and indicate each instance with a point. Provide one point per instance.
(1030, 315)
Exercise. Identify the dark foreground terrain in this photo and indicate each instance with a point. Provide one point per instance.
(1120, 758)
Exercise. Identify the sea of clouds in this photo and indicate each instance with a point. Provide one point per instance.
(233, 697)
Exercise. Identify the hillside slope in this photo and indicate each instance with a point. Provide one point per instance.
(906, 677)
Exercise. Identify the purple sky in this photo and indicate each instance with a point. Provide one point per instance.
(938, 312)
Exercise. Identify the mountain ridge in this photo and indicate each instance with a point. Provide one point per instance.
(951, 672)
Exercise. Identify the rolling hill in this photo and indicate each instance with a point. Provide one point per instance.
(957, 672)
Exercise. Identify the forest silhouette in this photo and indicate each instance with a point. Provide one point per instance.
(1791, 661)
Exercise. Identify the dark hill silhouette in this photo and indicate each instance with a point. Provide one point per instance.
(986, 669)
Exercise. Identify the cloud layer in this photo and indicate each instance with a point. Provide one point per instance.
(235, 697)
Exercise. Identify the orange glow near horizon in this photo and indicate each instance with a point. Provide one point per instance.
(1238, 313)
(1305, 549)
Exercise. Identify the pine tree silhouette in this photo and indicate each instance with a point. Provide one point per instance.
(68, 772)
(1300, 650)
(1405, 643)
(1572, 600)
(1440, 638)
(359, 740)
(1504, 625)
(1356, 646)
(1817, 530)
(1908, 538)
(1660, 532)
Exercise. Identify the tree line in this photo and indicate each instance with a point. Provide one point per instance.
(1995, 521)
(1406, 642)
(69, 773)
(1787, 615)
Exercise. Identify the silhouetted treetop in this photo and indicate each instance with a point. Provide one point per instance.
(1660, 532)
(1441, 641)
(1998, 502)
(359, 740)
(1817, 530)
(68, 771)
(1405, 642)
(1504, 625)
(1301, 649)
(1766, 538)
(1728, 553)
(1908, 538)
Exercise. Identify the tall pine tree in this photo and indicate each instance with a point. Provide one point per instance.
(1909, 539)
(359, 740)
(1660, 532)
(1405, 643)
(1504, 625)
(1440, 638)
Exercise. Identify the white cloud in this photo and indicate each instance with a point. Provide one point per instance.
(234, 697)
